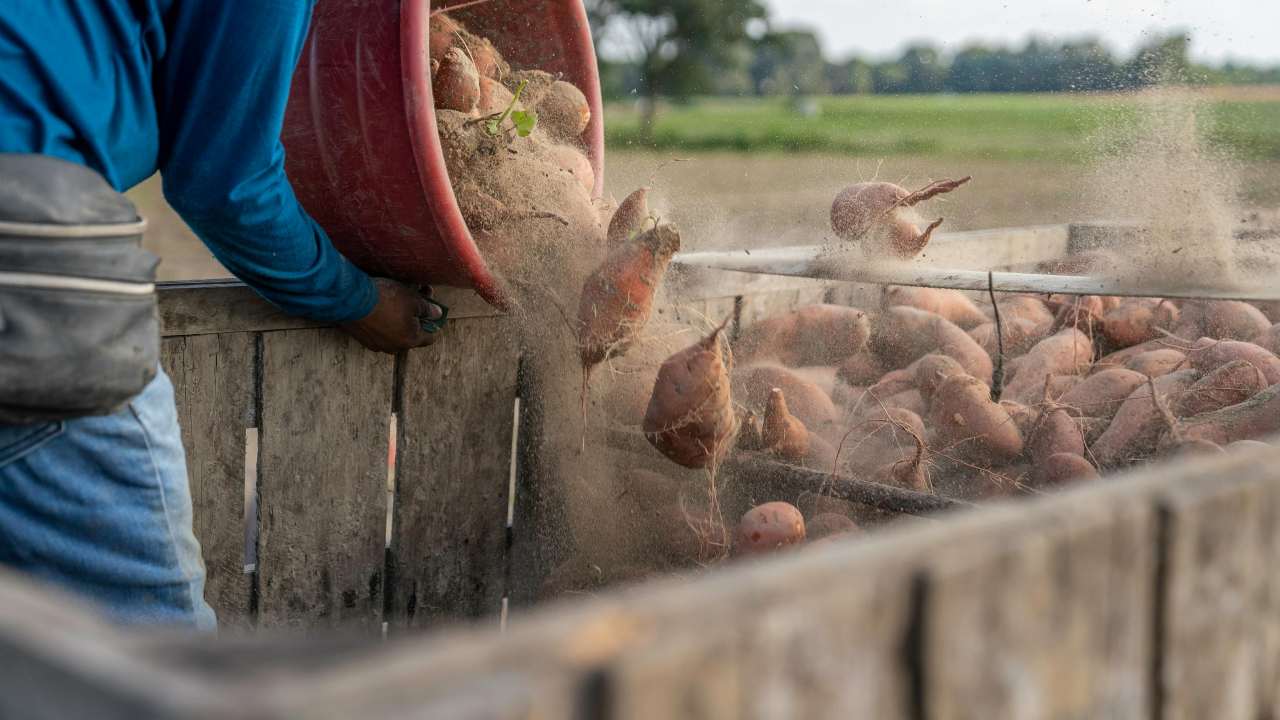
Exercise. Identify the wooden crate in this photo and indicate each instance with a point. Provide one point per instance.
(1152, 595)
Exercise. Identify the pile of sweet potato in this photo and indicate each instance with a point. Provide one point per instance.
(1083, 385)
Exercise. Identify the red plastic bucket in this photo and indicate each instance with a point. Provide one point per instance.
(361, 145)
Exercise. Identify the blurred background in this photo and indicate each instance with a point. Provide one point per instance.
(747, 116)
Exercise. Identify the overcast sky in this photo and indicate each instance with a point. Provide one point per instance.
(1220, 29)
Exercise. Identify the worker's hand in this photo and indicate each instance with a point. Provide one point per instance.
(396, 321)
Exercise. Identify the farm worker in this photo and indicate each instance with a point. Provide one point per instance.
(195, 89)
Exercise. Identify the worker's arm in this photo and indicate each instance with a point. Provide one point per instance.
(221, 89)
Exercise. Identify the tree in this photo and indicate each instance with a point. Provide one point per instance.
(789, 63)
(677, 45)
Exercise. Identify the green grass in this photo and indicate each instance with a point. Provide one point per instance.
(997, 127)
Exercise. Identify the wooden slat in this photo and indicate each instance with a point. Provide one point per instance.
(323, 438)
(1221, 614)
(211, 307)
(1044, 613)
(213, 385)
(455, 424)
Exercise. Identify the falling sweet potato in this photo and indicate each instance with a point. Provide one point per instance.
(903, 335)
(1224, 386)
(630, 219)
(810, 335)
(950, 304)
(617, 298)
(691, 418)
(1101, 395)
(876, 216)
(1136, 428)
(768, 528)
(968, 424)
(1155, 363)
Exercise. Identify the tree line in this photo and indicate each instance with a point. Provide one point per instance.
(677, 48)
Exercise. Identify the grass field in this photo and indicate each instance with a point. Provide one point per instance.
(755, 173)
(1062, 128)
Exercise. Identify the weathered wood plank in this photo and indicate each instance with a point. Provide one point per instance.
(1046, 612)
(323, 439)
(455, 426)
(221, 306)
(213, 379)
(1221, 616)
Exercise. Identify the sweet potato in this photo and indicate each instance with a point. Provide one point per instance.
(1080, 312)
(617, 298)
(443, 33)
(895, 382)
(1118, 359)
(861, 369)
(630, 218)
(1022, 416)
(1224, 386)
(1155, 363)
(752, 386)
(931, 370)
(1208, 355)
(1269, 340)
(1061, 470)
(829, 525)
(1024, 307)
(968, 424)
(1067, 352)
(1248, 445)
(882, 435)
(563, 111)
(574, 162)
(1136, 321)
(1055, 432)
(903, 335)
(1192, 448)
(690, 418)
(1101, 395)
(494, 97)
(875, 215)
(768, 528)
(1020, 335)
(781, 433)
(455, 84)
(912, 474)
(1257, 417)
(1220, 319)
(1136, 428)
(810, 335)
(950, 304)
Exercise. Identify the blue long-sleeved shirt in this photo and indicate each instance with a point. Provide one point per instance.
(196, 89)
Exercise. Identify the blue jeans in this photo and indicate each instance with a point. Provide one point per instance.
(101, 507)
